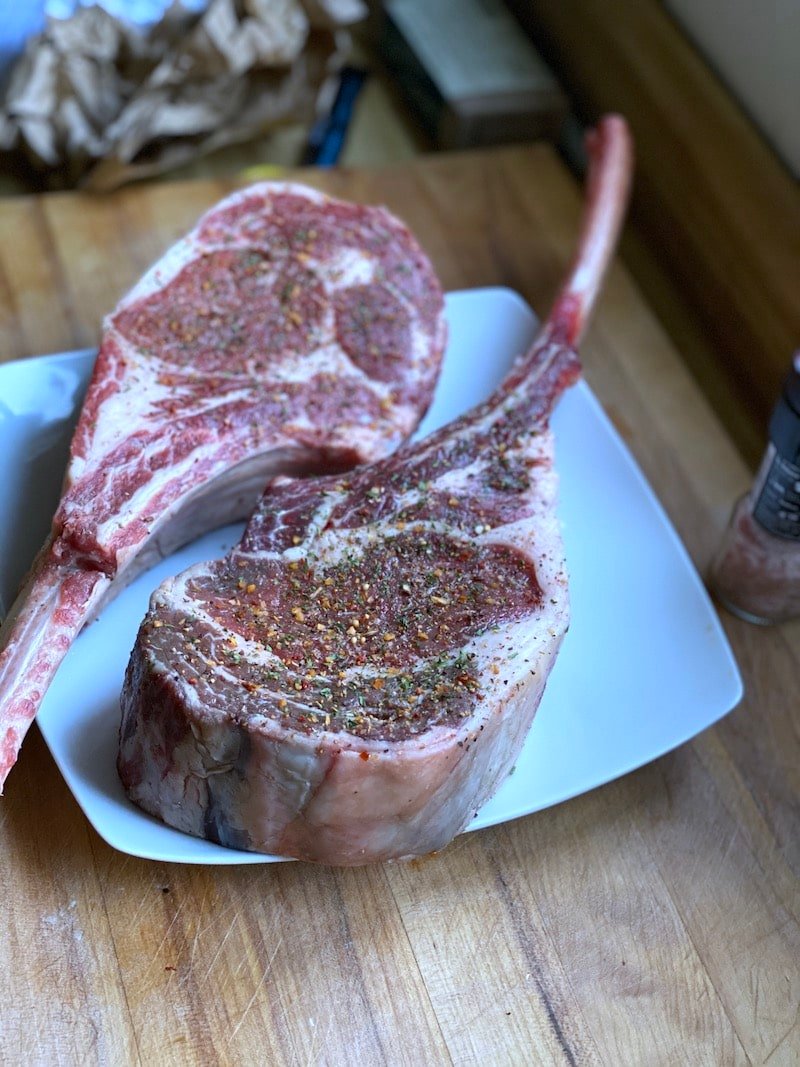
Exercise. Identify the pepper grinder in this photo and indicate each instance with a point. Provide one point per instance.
(756, 571)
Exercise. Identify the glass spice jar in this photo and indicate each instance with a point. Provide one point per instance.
(756, 571)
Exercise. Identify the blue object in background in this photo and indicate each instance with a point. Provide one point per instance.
(18, 22)
(142, 12)
(326, 140)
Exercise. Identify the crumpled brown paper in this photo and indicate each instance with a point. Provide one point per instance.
(96, 102)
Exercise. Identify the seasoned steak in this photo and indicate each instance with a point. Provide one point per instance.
(357, 677)
(288, 332)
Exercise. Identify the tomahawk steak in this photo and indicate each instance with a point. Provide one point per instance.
(288, 332)
(356, 678)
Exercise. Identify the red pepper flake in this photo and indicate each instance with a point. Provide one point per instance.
(363, 755)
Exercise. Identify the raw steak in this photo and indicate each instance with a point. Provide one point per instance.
(288, 332)
(357, 677)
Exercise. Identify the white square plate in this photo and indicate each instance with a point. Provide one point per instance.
(644, 667)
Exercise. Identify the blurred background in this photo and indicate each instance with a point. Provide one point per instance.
(82, 81)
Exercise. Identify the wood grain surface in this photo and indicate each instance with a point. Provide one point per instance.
(718, 210)
(653, 921)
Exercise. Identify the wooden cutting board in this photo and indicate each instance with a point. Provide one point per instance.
(652, 921)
